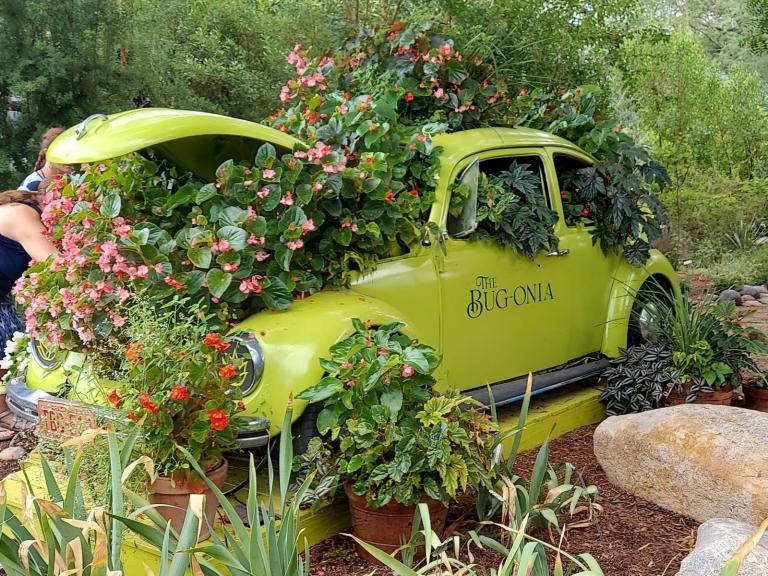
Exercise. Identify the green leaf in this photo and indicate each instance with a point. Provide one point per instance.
(277, 295)
(205, 193)
(283, 256)
(393, 400)
(371, 184)
(355, 463)
(218, 281)
(326, 419)
(111, 204)
(323, 390)
(416, 359)
(200, 256)
(265, 155)
(237, 237)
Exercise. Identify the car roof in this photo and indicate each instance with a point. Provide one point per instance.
(459, 145)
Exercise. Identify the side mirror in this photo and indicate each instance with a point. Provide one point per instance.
(465, 223)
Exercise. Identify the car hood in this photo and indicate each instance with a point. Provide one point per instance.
(197, 142)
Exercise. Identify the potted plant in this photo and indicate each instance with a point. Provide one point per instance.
(710, 346)
(177, 380)
(396, 442)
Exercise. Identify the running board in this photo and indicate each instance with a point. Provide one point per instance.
(511, 391)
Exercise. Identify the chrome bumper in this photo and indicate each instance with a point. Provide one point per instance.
(253, 432)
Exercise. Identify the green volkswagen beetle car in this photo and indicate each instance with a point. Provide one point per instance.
(495, 315)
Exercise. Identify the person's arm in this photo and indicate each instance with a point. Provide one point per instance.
(28, 231)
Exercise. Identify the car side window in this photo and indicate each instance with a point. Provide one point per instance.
(575, 207)
(504, 199)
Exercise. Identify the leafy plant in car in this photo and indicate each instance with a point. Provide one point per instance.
(393, 437)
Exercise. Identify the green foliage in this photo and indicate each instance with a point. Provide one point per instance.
(639, 379)
(191, 401)
(710, 346)
(523, 554)
(512, 210)
(393, 437)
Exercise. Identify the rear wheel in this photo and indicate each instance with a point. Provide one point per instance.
(652, 303)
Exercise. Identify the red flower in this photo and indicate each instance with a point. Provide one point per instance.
(219, 419)
(389, 196)
(407, 371)
(409, 97)
(522, 92)
(413, 192)
(132, 416)
(214, 341)
(240, 405)
(383, 351)
(148, 404)
(228, 371)
(132, 351)
(179, 393)
(585, 212)
(114, 398)
(563, 194)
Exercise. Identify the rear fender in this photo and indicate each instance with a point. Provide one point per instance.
(294, 340)
(627, 282)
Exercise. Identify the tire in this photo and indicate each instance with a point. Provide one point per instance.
(305, 428)
(648, 305)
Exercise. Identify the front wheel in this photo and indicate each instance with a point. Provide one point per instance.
(305, 428)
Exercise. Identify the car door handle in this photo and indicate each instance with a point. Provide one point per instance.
(559, 252)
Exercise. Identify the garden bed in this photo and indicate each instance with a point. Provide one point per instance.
(632, 537)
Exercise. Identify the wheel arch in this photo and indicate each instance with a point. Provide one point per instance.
(627, 282)
(294, 340)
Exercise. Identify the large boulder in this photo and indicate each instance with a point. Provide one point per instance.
(716, 542)
(698, 460)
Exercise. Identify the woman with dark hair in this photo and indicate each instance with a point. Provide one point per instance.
(43, 167)
(22, 238)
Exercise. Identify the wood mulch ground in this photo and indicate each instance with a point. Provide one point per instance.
(631, 537)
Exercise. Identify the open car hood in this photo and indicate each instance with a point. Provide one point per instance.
(197, 142)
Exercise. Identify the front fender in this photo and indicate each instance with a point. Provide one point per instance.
(294, 340)
(627, 281)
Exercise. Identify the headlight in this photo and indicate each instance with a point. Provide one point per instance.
(46, 357)
(249, 349)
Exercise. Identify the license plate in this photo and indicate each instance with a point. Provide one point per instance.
(59, 420)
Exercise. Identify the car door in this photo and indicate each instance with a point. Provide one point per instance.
(591, 272)
(503, 314)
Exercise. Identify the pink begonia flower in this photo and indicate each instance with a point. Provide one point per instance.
(308, 226)
(407, 371)
(263, 193)
(261, 255)
(227, 267)
(287, 200)
(247, 182)
(254, 240)
(268, 173)
(285, 94)
(295, 244)
(317, 186)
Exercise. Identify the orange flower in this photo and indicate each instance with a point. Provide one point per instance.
(179, 393)
(148, 404)
(214, 341)
(114, 398)
(228, 371)
(219, 419)
(240, 406)
(132, 351)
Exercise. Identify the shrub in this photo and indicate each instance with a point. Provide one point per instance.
(639, 379)
(393, 438)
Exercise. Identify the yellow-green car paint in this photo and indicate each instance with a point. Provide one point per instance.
(494, 314)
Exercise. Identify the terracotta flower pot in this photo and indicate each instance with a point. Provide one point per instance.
(390, 525)
(174, 495)
(755, 398)
(720, 397)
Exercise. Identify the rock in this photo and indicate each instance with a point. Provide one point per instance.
(699, 460)
(6, 434)
(730, 295)
(752, 303)
(762, 240)
(763, 300)
(746, 298)
(754, 291)
(13, 453)
(716, 542)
